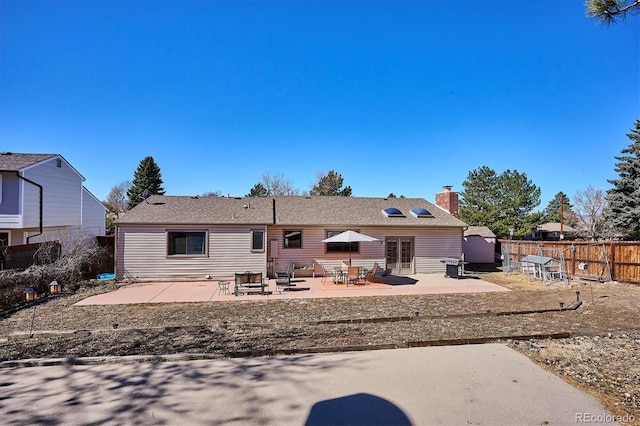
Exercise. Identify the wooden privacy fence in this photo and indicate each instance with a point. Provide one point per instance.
(587, 260)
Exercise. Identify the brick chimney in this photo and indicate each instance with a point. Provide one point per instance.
(448, 200)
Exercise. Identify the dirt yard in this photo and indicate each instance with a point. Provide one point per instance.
(595, 347)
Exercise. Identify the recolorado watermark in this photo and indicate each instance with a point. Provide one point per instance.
(604, 418)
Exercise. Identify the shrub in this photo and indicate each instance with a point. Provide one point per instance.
(70, 269)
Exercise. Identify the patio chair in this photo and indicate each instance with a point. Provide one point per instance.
(283, 281)
(353, 275)
(318, 270)
(372, 275)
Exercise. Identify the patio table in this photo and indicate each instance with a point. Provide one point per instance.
(339, 276)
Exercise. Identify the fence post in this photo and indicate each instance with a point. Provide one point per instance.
(612, 264)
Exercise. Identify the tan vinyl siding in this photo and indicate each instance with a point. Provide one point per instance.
(142, 254)
(230, 251)
(431, 245)
(314, 249)
(434, 245)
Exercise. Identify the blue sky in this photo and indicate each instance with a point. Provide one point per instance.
(397, 96)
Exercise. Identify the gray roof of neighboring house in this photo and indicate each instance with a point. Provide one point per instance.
(481, 231)
(13, 162)
(555, 227)
(288, 211)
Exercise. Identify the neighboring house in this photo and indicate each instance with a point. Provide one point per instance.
(552, 232)
(172, 237)
(479, 245)
(42, 198)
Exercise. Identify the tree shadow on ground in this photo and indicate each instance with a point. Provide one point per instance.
(161, 392)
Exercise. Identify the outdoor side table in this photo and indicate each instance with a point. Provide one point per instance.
(223, 286)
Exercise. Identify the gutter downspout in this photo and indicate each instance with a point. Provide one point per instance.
(274, 211)
(41, 199)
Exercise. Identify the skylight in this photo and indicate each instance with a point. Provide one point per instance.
(421, 212)
(392, 212)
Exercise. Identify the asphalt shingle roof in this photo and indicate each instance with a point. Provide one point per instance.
(288, 211)
(13, 162)
(555, 227)
(481, 231)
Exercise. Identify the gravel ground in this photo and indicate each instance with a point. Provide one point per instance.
(600, 355)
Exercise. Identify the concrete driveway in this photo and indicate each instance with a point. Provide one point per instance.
(209, 290)
(458, 385)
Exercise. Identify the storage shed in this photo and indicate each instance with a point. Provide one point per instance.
(479, 245)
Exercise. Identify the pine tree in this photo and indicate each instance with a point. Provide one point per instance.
(478, 203)
(258, 190)
(623, 214)
(611, 11)
(560, 204)
(502, 202)
(147, 176)
(330, 184)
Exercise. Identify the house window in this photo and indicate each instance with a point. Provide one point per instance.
(4, 239)
(293, 238)
(257, 240)
(186, 243)
(341, 247)
(58, 162)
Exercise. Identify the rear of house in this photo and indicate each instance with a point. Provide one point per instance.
(175, 238)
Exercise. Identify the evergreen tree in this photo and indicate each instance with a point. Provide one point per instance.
(258, 190)
(611, 11)
(479, 198)
(330, 184)
(502, 202)
(623, 214)
(560, 204)
(147, 176)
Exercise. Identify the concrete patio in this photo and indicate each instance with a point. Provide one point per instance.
(210, 291)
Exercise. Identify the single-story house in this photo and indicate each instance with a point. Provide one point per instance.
(555, 231)
(479, 245)
(182, 237)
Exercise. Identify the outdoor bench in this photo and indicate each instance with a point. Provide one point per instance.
(249, 282)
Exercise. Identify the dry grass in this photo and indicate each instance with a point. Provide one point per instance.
(250, 325)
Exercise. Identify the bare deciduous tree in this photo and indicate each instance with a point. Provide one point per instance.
(276, 184)
(590, 205)
(117, 198)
